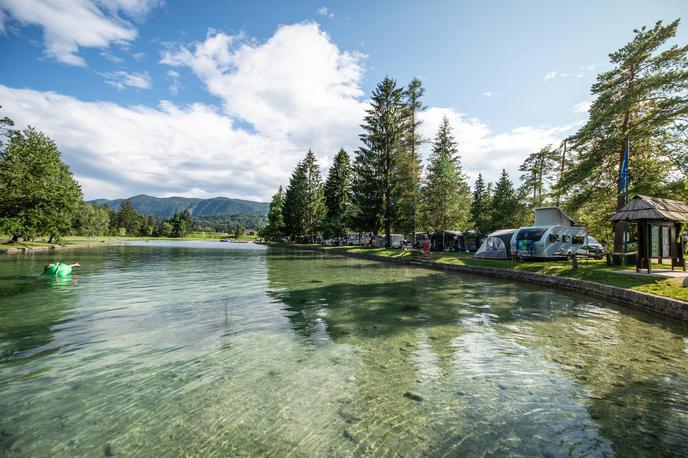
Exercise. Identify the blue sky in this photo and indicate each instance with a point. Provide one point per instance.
(205, 98)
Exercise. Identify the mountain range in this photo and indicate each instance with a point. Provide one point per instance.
(165, 207)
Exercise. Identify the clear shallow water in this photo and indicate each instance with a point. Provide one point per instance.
(193, 348)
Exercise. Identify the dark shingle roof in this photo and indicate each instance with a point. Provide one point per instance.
(646, 207)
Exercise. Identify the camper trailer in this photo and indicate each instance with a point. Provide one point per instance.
(553, 235)
(548, 241)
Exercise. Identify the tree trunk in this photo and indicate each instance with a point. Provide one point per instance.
(52, 237)
(15, 238)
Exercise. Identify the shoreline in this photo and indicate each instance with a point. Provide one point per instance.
(31, 249)
(665, 306)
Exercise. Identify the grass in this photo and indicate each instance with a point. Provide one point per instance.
(590, 270)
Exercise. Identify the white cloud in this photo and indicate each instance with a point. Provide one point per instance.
(323, 11)
(582, 107)
(121, 80)
(551, 75)
(175, 85)
(118, 151)
(296, 91)
(490, 94)
(297, 85)
(486, 152)
(70, 24)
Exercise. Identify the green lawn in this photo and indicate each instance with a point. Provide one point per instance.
(591, 270)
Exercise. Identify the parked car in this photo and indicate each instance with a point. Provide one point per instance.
(593, 248)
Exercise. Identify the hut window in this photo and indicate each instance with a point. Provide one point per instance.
(666, 241)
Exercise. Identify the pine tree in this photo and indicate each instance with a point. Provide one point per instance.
(446, 195)
(338, 195)
(410, 167)
(129, 219)
(641, 99)
(480, 207)
(275, 227)
(304, 206)
(293, 196)
(539, 169)
(377, 184)
(505, 206)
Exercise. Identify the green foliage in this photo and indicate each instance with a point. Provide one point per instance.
(377, 168)
(226, 222)
(39, 194)
(127, 218)
(181, 224)
(275, 228)
(410, 163)
(338, 196)
(642, 98)
(92, 220)
(539, 170)
(446, 195)
(506, 209)
(480, 206)
(304, 206)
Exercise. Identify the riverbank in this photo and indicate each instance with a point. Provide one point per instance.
(666, 296)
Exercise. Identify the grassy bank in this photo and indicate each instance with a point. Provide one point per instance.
(590, 270)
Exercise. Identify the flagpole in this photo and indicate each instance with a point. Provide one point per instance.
(624, 173)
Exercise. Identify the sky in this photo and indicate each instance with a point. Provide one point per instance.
(222, 98)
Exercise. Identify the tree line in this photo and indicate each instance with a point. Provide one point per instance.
(641, 101)
(40, 197)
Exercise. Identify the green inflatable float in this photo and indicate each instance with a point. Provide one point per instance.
(59, 269)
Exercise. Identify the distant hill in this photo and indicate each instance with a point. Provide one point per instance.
(165, 207)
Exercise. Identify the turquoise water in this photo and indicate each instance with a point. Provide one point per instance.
(212, 349)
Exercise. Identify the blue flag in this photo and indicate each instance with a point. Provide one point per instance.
(623, 175)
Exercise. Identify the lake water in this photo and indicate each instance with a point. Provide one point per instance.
(206, 348)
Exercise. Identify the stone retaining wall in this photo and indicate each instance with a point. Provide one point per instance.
(658, 304)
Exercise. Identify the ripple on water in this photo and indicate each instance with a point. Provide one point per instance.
(196, 349)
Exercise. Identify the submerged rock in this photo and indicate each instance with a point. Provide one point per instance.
(412, 395)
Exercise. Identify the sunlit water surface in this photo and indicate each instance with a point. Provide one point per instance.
(194, 348)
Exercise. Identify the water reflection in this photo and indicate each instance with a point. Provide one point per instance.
(198, 349)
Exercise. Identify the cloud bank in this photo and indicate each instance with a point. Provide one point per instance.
(276, 99)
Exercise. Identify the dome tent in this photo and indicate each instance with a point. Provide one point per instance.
(497, 245)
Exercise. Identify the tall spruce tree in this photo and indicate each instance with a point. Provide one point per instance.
(293, 199)
(411, 161)
(377, 184)
(275, 227)
(642, 99)
(504, 207)
(446, 195)
(338, 195)
(304, 206)
(480, 207)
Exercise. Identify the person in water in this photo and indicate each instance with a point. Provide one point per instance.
(59, 269)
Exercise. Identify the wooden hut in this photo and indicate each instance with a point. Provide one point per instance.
(659, 229)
